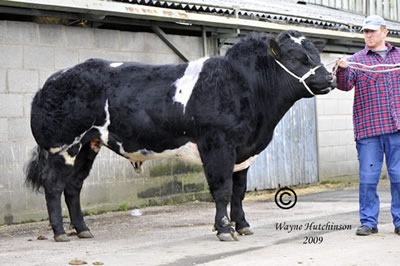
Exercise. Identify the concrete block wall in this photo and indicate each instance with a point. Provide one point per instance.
(29, 54)
(336, 145)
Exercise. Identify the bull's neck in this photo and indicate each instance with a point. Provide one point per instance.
(274, 105)
(274, 93)
(280, 95)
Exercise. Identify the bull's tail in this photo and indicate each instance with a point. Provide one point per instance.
(35, 168)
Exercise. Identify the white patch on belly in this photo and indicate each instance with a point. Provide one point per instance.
(116, 64)
(244, 165)
(184, 86)
(104, 129)
(297, 40)
(188, 152)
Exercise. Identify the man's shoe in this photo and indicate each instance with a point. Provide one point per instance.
(366, 230)
(397, 230)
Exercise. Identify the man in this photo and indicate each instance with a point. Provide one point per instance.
(376, 119)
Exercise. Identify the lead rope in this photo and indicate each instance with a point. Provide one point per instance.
(395, 67)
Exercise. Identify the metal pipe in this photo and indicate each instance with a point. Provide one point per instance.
(379, 8)
(161, 34)
(371, 8)
(204, 38)
(359, 6)
(398, 10)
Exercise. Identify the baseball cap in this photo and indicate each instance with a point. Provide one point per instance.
(373, 22)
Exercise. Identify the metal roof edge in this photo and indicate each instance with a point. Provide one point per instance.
(111, 8)
(260, 13)
(241, 10)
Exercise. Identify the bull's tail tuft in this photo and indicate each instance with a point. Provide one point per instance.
(34, 169)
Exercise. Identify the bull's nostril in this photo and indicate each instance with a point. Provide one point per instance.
(333, 82)
(331, 79)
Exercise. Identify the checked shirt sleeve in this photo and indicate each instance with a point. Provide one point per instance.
(376, 106)
(345, 78)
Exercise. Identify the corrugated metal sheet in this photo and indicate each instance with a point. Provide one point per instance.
(292, 157)
(287, 12)
(230, 10)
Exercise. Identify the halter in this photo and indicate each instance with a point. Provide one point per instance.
(303, 78)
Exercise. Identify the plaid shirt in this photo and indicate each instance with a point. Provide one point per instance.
(376, 108)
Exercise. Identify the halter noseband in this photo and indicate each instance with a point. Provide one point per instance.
(303, 78)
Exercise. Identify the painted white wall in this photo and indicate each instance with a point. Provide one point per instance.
(336, 145)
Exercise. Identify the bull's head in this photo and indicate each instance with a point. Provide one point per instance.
(299, 57)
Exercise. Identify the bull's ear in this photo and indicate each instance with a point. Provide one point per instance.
(274, 48)
(320, 45)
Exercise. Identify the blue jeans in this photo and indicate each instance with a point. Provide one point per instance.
(370, 156)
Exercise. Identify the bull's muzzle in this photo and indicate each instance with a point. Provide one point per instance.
(332, 80)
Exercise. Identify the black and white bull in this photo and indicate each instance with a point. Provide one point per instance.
(219, 112)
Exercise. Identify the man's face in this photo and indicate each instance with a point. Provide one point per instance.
(375, 38)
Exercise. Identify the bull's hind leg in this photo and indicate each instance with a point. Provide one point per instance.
(83, 164)
(237, 213)
(56, 175)
(218, 161)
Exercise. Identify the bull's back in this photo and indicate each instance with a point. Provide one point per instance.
(142, 105)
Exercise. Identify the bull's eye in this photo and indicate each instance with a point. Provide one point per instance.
(305, 59)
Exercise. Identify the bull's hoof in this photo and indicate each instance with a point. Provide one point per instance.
(62, 238)
(228, 236)
(245, 231)
(85, 234)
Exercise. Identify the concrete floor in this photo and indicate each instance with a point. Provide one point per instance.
(181, 235)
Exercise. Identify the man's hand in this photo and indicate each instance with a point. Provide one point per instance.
(341, 62)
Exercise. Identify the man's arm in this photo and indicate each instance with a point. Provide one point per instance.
(345, 76)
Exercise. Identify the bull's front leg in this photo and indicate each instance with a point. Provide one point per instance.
(237, 213)
(218, 160)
